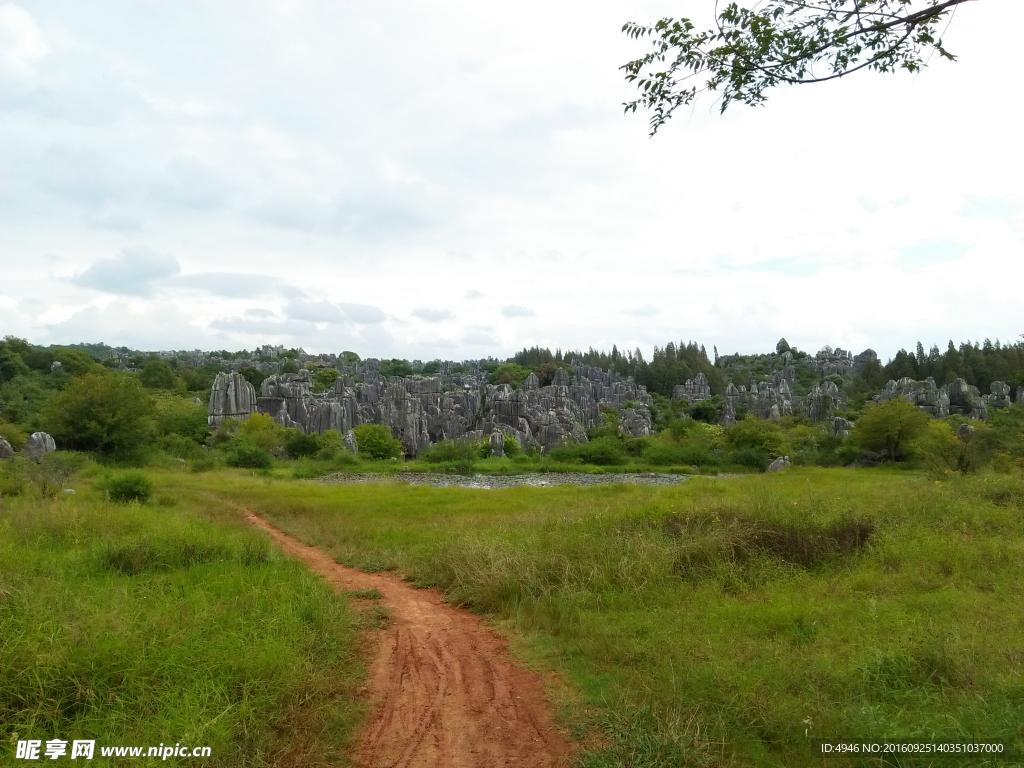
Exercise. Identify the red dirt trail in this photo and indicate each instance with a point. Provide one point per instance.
(444, 691)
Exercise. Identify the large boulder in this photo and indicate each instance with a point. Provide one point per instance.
(231, 396)
(1000, 397)
(6, 451)
(38, 445)
(497, 441)
(780, 463)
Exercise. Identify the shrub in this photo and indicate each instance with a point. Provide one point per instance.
(13, 434)
(512, 447)
(261, 430)
(324, 379)
(375, 441)
(750, 457)
(299, 444)
(131, 486)
(108, 412)
(604, 452)
(177, 446)
(156, 374)
(752, 432)
(450, 450)
(890, 427)
(290, 367)
(249, 456)
(510, 373)
(181, 416)
(664, 456)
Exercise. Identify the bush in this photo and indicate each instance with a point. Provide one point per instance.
(261, 430)
(604, 452)
(290, 367)
(704, 410)
(376, 442)
(299, 444)
(665, 456)
(180, 416)
(450, 450)
(177, 446)
(156, 374)
(512, 447)
(249, 456)
(324, 379)
(890, 427)
(750, 457)
(752, 432)
(108, 412)
(131, 486)
(13, 434)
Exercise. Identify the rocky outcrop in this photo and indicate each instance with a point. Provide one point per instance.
(966, 400)
(497, 441)
(231, 397)
(56, 367)
(841, 427)
(780, 463)
(958, 397)
(693, 390)
(1000, 395)
(6, 451)
(822, 402)
(350, 443)
(423, 410)
(636, 421)
(924, 394)
(38, 445)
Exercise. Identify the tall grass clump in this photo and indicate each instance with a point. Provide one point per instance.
(127, 487)
(170, 625)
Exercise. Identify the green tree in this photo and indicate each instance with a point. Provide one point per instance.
(156, 374)
(890, 427)
(254, 376)
(290, 367)
(324, 379)
(779, 42)
(11, 362)
(109, 413)
(76, 362)
(376, 442)
(764, 435)
(179, 416)
(510, 373)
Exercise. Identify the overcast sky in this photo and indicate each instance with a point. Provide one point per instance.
(446, 179)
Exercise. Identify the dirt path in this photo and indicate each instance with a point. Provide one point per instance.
(445, 693)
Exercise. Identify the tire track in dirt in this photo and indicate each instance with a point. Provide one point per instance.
(445, 693)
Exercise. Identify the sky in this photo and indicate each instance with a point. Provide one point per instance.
(458, 180)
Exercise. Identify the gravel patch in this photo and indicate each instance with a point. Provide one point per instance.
(493, 482)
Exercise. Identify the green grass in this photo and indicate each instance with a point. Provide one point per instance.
(176, 622)
(721, 621)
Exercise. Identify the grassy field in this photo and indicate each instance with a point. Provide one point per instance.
(721, 622)
(725, 621)
(138, 625)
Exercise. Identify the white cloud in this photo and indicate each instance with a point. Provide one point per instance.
(484, 177)
(133, 272)
(21, 42)
(431, 315)
(515, 310)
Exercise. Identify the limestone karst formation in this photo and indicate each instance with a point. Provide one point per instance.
(424, 410)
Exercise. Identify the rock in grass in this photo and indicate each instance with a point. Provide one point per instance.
(349, 441)
(6, 451)
(38, 445)
(497, 441)
(780, 463)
